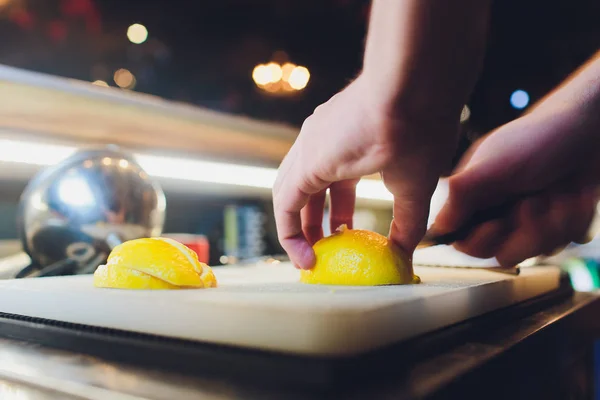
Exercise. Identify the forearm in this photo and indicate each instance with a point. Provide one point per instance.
(424, 56)
(580, 92)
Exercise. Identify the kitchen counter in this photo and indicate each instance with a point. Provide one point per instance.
(543, 349)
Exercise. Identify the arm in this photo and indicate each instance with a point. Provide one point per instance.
(552, 151)
(581, 90)
(400, 117)
(424, 55)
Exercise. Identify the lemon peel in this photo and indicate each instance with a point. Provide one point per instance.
(153, 263)
(359, 258)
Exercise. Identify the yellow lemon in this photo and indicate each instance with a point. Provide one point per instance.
(153, 263)
(112, 276)
(359, 258)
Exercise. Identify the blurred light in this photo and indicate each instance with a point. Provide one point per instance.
(75, 191)
(174, 168)
(266, 74)
(286, 70)
(4, 3)
(205, 171)
(580, 275)
(519, 99)
(33, 153)
(261, 75)
(280, 79)
(123, 163)
(372, 189)
(299, 78)
(465, 114)
(137, 33)
(124, 79)
(100, 83)
(275, 72)
(274, 87)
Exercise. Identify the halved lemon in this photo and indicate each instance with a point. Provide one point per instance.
(359, 258)
(153, 263)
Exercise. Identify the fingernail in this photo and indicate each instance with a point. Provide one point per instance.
(300, 252)
(306, 256)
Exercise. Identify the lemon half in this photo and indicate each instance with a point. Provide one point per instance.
(153, 263)
(359, 258)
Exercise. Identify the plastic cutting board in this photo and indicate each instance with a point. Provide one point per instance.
(265, 307)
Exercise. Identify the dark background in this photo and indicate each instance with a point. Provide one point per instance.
(203, 52)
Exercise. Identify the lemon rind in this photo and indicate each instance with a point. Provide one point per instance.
(200, 273)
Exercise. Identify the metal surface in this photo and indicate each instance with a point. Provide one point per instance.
(552, 330)
(84, 202)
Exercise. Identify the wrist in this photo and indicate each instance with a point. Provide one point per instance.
(410, 104)
(411, 132)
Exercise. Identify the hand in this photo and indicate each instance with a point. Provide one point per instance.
(352, 135)
(553, 152)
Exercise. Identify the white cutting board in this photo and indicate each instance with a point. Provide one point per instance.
(266, 307)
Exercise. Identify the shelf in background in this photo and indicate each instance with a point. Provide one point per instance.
(46, 110)
(65, 109)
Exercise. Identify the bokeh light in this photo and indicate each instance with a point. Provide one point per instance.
(124, 79)
(137, 33)
(274, 87)
(519, 99)
(286, 70)
(299, 78)
(278, 79)
(261, 75)
(100, 83)
(275, 72)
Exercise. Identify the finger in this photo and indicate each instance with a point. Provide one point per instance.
(412, 200)
(312, 217)
(539, 229)
(289, 200)
(492, 172)
(485, 240)
(284, 169)
(565, 221)
(342, 200)
(469, 192)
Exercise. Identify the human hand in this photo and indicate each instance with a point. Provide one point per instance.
(552, 152)
(355, 134)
